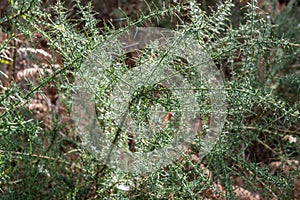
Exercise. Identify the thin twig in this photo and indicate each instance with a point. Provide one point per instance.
(267, 146)
(42, 157)
(268, 131)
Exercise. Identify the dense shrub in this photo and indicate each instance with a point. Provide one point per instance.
(43, 45)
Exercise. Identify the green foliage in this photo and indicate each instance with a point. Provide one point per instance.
(259, 59)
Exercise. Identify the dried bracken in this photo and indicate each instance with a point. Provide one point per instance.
(215, 193)
(285, 167)
(243, 194)
(290, 138)
(31, 65)
(35, 72)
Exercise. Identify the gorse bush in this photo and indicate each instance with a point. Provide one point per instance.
(42, 51)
